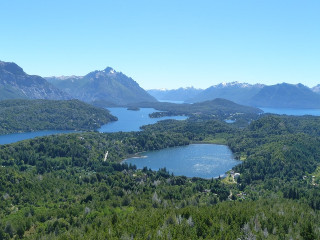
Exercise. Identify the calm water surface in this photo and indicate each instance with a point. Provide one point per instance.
(195, 160)
(292, 111)
(15, 137)
(229, 121)
(129, 120)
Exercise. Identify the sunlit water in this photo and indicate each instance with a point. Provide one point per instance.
(195, 160)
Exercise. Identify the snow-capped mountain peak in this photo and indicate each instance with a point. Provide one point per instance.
(109, 70)
(236, 84)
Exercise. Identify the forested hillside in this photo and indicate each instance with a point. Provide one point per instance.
(59, 187)
(32, 115)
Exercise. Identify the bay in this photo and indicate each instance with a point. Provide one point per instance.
(195, 160)
(129, 120)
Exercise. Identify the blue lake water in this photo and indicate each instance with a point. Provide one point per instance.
(195, 160)
(229, 121)
(133, 120)
(15, 137)
(292, 111)
(129, 120)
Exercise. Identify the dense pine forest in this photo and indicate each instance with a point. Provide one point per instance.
(60, 187)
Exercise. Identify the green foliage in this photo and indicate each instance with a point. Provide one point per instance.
(60, 187)
(218, 109)
(32, 115)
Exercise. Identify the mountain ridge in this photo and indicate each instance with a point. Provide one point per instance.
(234, 91)
(180, 94)
(286, 95)
(281, 95)
(111, 88)
(105, 85)
(15, 83)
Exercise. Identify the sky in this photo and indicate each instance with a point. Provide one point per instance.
(166, 43)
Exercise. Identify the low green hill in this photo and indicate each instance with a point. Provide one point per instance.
(219, 109)
(32, 115)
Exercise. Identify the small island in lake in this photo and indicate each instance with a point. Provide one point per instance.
(133, 109)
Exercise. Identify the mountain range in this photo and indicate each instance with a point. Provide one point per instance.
(15, 83)
(286, 96)
(180, 94)
(234, 91)
(108, 86)
(282, 95)
(111, 88)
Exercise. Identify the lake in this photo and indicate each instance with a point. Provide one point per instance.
(292, 111)
(195, 160)
(229, 121)
(15, 137)
(127, 121)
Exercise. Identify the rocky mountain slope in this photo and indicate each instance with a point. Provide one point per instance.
(106, 86)
(15, 83)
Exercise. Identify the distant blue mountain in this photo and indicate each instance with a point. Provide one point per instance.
(286, 95)
(240, 93)
(180, 94)
(107, 87)
(282, 95)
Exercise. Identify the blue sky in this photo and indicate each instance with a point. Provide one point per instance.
(166, 44)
